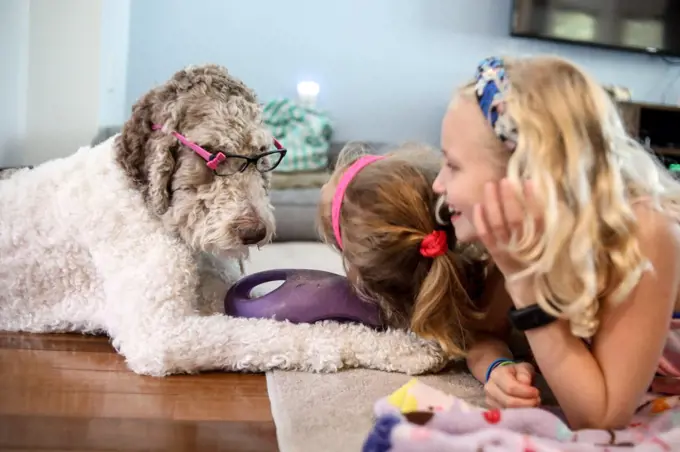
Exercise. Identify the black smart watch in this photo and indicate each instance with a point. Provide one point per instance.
(529, 318)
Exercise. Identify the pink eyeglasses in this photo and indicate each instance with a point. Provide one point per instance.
(226, 164)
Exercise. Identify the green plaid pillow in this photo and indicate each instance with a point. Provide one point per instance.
(305, 132)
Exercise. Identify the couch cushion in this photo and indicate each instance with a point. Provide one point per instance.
(299, 180)
(295, 213)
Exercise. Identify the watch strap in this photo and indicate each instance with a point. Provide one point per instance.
(529, 318)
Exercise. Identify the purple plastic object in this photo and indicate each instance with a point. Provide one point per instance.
(306, 296)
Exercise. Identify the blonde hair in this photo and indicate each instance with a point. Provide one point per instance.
(388, 208)
(573, 146)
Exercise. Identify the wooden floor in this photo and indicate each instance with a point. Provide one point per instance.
(70, 392)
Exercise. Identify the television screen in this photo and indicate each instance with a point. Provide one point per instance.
(651, 26)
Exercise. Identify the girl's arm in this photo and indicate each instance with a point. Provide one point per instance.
(602, 387)
(486, 350)
(492, 332)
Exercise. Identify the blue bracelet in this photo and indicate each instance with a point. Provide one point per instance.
(495, 364)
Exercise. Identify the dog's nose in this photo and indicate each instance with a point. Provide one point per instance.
(253, 235)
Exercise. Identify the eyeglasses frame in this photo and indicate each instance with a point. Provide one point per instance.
(213, 160)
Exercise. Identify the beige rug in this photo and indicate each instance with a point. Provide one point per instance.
(334, 412)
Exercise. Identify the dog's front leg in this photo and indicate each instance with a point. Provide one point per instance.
(148, 292)
(201, 343)
(151, 317)
(257, 345)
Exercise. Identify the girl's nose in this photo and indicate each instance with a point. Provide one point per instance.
(437, 186)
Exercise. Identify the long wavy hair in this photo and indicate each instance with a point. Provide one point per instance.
(388, 208)
(573, 146)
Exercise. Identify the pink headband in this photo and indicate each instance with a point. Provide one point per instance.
(346, 178)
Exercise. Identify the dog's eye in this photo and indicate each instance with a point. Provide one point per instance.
(264, 148)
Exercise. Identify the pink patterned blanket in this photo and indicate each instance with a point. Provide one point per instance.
(417, 417)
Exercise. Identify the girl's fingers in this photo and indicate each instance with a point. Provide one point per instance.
(533, 204)
(489, 239)
(512, 387)
(515, 212)
(482, 227)
(524, 372)
(495, 215)
(507, 382)
(492, 403)
(503, 400)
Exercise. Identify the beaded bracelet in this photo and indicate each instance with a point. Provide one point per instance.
(497, 363)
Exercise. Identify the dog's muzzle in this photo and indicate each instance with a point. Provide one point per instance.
(252, 235)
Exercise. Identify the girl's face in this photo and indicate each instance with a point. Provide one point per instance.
(468, 148)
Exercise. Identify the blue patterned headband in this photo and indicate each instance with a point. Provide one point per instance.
(491, 89)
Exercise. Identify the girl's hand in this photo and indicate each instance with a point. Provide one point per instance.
(511, 386)
(500, 217)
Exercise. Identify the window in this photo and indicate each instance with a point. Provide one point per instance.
(642, 33)
(572, 25)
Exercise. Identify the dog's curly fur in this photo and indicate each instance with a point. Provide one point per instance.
(138, 239)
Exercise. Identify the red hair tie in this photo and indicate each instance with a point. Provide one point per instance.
(434, 244)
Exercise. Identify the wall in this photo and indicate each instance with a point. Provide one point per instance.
(113, 61)
(14, 20)
(386, 67)
(62, 107)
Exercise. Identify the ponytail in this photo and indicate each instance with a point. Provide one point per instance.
(443, 306)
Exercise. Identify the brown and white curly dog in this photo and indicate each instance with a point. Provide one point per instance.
(140, 236)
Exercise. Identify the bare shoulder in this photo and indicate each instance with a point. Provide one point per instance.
(659, 241)
(658, 234)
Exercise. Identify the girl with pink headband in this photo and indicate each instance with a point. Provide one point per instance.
(380, 213)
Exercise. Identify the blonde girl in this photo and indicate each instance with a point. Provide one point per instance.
(582, 225)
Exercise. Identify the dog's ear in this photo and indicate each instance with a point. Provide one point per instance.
(160, 165)
(145, 155)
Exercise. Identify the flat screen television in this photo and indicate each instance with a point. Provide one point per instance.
(649, 26)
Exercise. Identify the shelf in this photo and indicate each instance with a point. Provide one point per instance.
(656, 125)
(649, 106)
(667, 151)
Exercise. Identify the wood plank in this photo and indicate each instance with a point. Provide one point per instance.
(64, 342)
(73, 392)
(99, 434)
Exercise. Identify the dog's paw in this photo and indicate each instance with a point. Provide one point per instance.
(399, 351)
